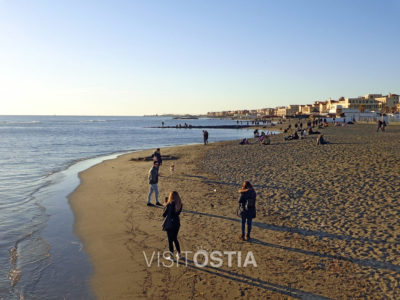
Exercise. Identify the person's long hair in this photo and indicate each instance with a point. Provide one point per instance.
(246, 186)
(174, 198)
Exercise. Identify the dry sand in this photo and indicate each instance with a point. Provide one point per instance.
(327, 225)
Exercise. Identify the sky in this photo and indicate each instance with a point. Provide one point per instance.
(193, 56)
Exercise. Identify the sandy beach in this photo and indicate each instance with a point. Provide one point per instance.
(327, 225)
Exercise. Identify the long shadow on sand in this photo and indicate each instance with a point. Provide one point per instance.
(255, 282)
(304, 232)
(372, 263)
(320, 234)
(210, 181)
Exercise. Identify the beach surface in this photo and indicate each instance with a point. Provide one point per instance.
(327, 225)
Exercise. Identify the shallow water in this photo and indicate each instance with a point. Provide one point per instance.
(40, 157)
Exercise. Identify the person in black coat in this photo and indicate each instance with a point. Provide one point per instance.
(156, 156)
(247, 205)
(172, 210)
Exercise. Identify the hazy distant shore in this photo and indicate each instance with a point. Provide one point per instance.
(327, 221)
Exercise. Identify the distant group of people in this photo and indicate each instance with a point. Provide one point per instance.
(300, 132)
(185, 125)
(293, 136)
(173, 207)
(263, 138)
(256, 122)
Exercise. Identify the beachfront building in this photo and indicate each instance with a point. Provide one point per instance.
(220, 114)
(307, 109)
(366, 103)
(354, 115)
(331, 103)
(325, 106)
(389, 103)
(290, 110)
(266, 112)
(316, 105)
(252, 113)
(280, 111)
(242, 113)
(371, 102)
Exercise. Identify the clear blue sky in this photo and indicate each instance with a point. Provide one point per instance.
(193, 56)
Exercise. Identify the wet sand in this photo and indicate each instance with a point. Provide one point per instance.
(328, 222)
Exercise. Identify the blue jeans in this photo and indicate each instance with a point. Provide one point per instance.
(153, 187)
(249, 220)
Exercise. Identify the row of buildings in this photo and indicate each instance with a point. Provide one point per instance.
(368, 103)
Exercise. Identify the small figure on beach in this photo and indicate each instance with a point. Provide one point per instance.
(303, 134)
(383, 125)
(172, 210)
(172, 168)
(310, 131)
(294, 136)
(244, 142)
(153, 181)
(321, 140)
(247, 208)
(379, 125)
(264, 139)
(157, 156)
(256, 134)
(205, 137)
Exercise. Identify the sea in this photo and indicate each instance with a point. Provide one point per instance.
(40, 158)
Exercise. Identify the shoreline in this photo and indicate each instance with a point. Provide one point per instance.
(318, 232)
(48, 164)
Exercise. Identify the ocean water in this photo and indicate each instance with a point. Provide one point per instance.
(40, 157)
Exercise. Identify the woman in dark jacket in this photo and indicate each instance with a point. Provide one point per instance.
(171, 225)
(247, 203)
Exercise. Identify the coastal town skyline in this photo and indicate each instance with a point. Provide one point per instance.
(140, 58)
(389, 103)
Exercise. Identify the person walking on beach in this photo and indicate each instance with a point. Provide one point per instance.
(157, 156)
(247, 208)
(205, 137)
(153, 181)
(172, 210)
